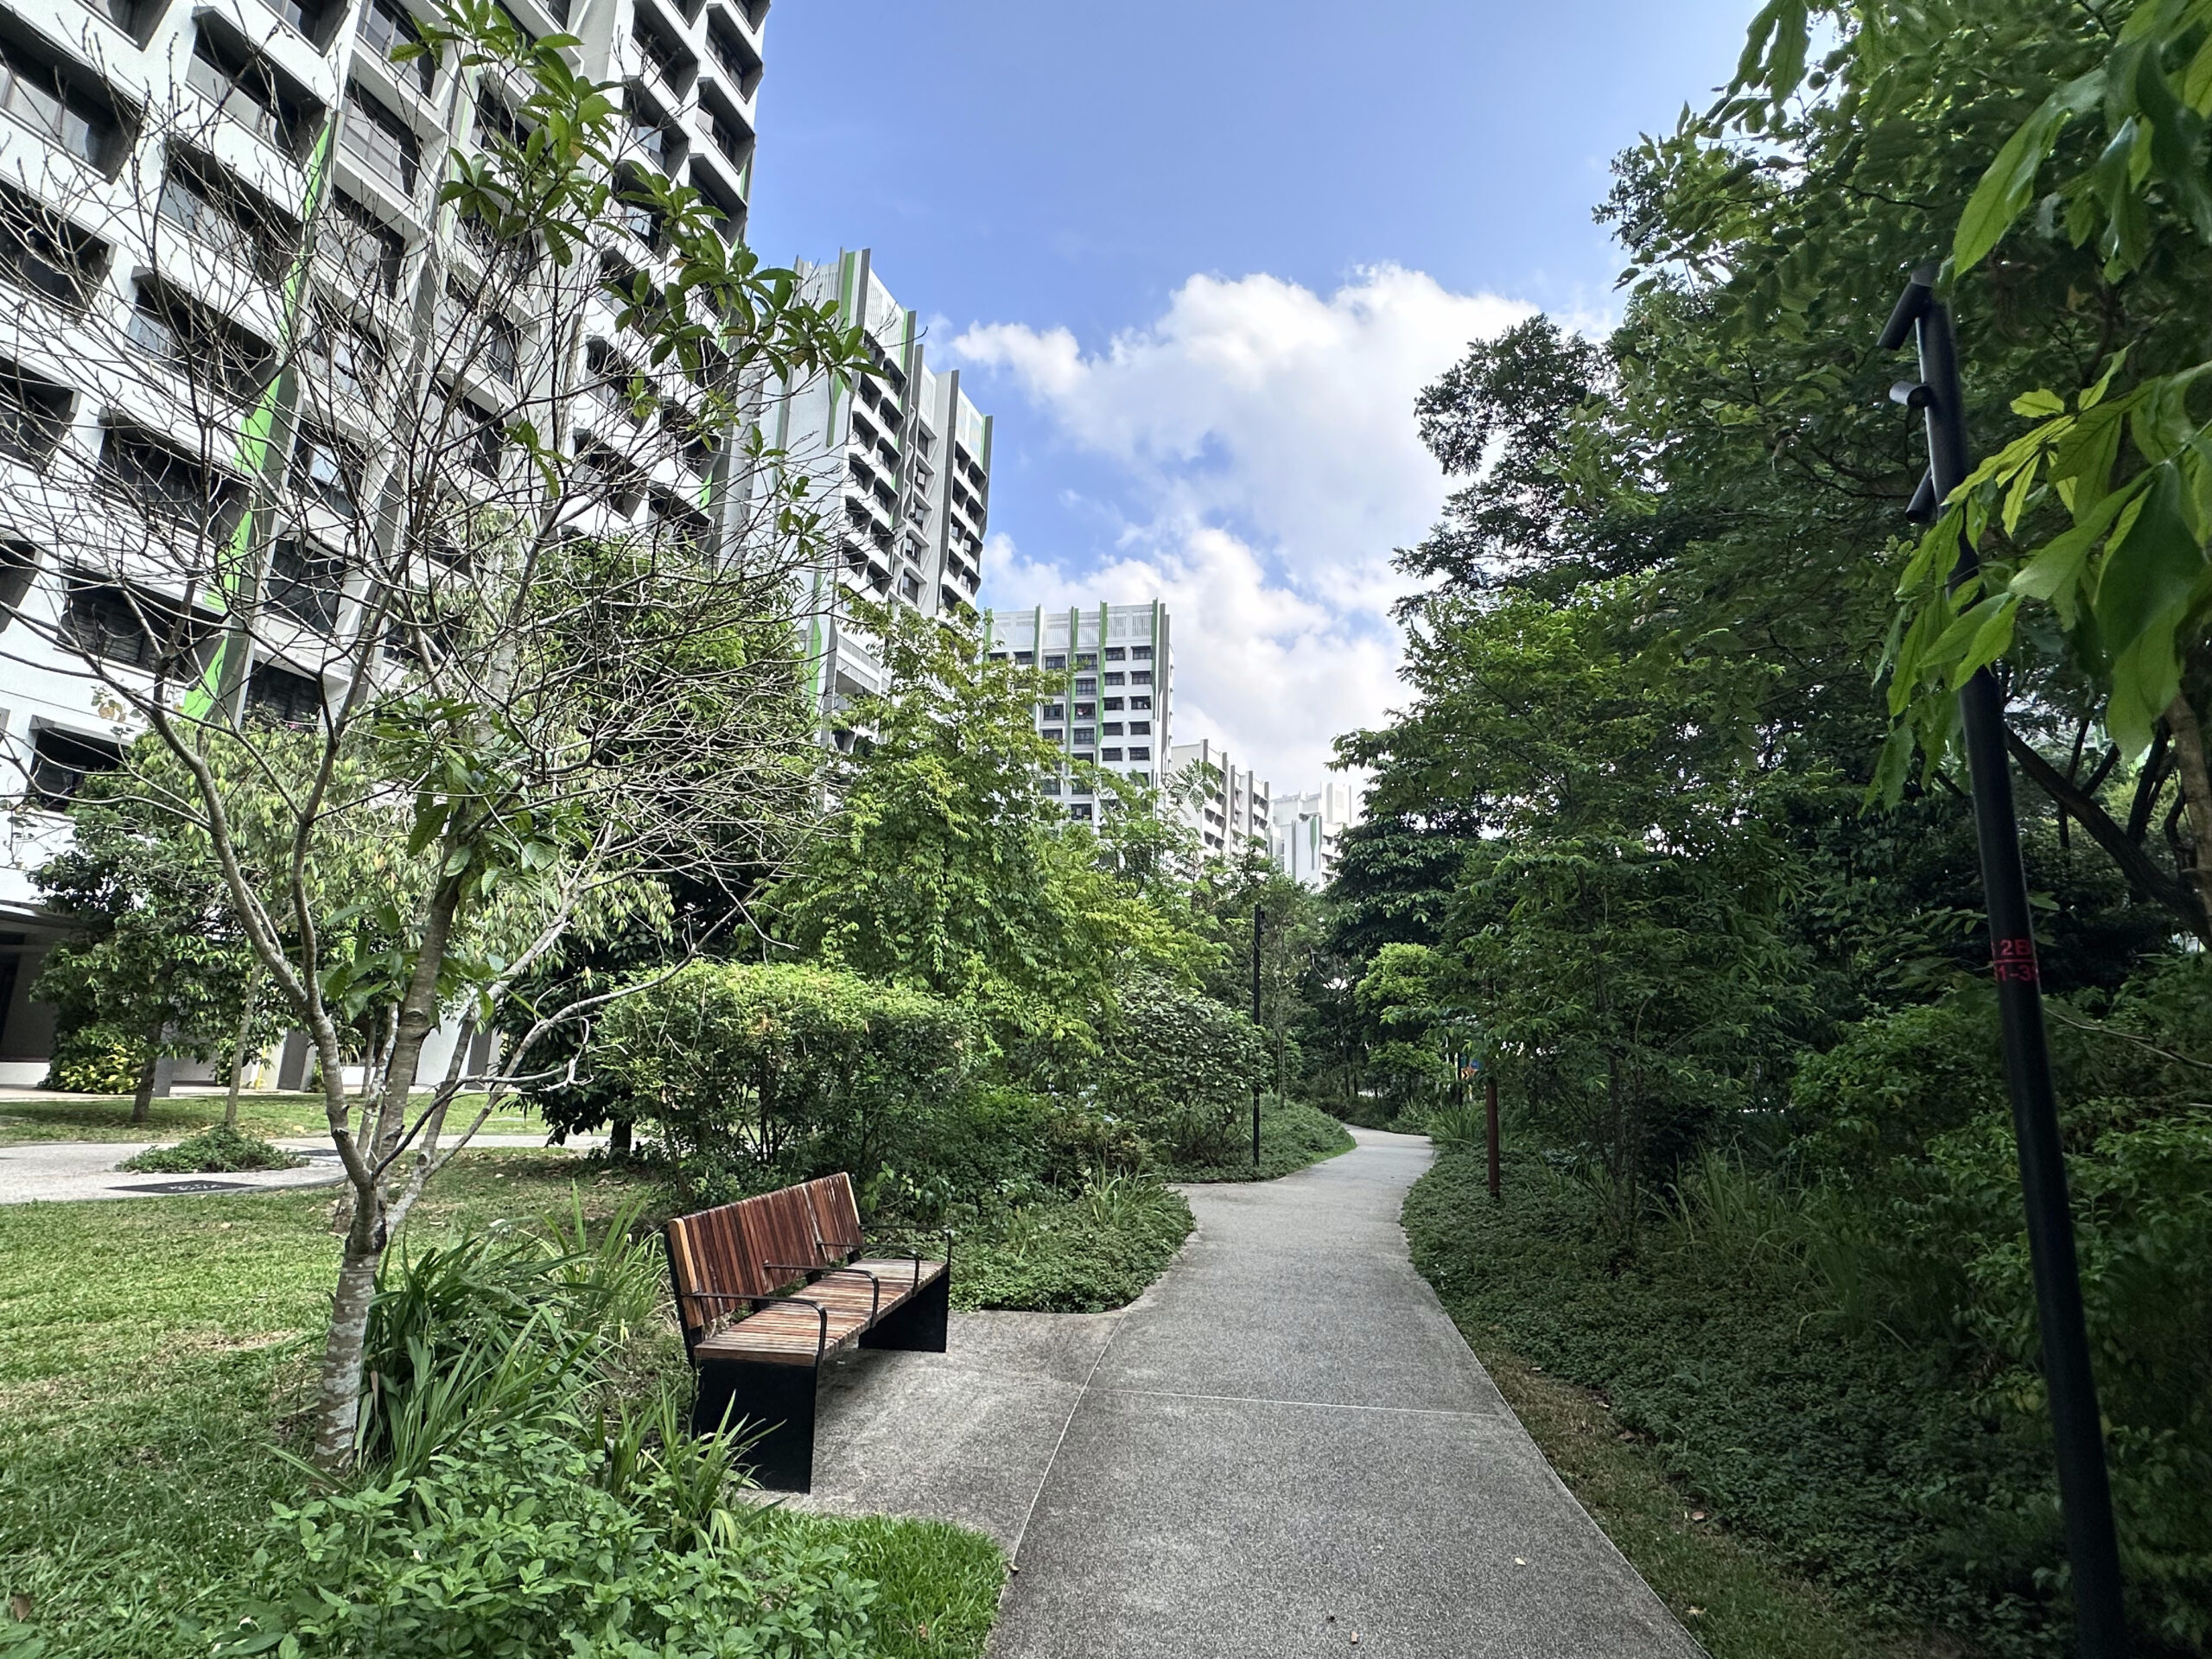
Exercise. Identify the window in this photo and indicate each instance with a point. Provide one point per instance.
(60, 105)
(60, 761)
(1116, 653)
(1116, 679)
(910, 588)
(1140, 703)
(1140, 754)
(279, 695)
(163, 483)
(202, 345)
(385, 29)
(1142, 676)
(134, 17)
(487, 339)
(34, 413)
(1140, 729)
(1054, 711)
(43, 254)
(107, 623)
(246, 89)
(484, 442)
(310, 18)
(681, 525)
(197, 203)
(1054, 734)
(349, 358)
(323, 471)
(1140, 653)
(1085, 736)
(1080, 811)
(1051, 785)
(364, 251)
(1056, 661)
(1109, 755)
(1024, 658)
(380, 141)
(306, 585)
(1086, 685)
(1086, 710)
(1087, 659)
(1080, 787)
(1112, 704)
(1111, 729)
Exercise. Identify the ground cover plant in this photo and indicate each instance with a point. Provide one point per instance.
(117, 1518)
(213, 1151)
(1293, 1134)
(1085, 1254)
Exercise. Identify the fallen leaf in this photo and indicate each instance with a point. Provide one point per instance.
(1697, 1612)
(1355, 1638)
(1520, 1561)
(19, 1608)
(1697, 1515)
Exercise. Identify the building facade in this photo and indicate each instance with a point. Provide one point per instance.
(1307, 830)
(906, 457)
(272, 112)
(1229, 806)
(1113, 703)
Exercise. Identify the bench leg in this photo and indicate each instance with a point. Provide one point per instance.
(919, 1326)
(773, 1403)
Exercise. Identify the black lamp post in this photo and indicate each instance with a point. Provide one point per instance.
(1257, 917)
(2084, 1491)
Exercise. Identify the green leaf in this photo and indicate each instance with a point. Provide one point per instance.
(2054, 574)
(2007, 186)
(1991, 641)
(2037, 405)
(2150, 570)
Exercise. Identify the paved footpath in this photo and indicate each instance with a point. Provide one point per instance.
(65, 1171)
(1284, 1444)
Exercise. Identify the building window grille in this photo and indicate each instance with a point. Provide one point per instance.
(1086, 687)
(1087, 659)
(1078, 787)
(349, 358)
(324, 472)
(279, 695)
(215, 217)
(60, 761)
(1140, 703)
(1140, 653)
(1116, 679)
(46, 255)
(306, 586)
(309, 18)
(203, 345)
(1051, 785)
(1140, 729)
(1055, 661)
(1111, 729)
(1144, 753)
(1110, 754)
(1024, 658)
(162, 483)
(364, 251)
(1054, 733)
(1054, 711)
(34, 413)
(1140, 677)
(244, 88)
(58, 106)
(1116, 653)
(109, 623)
(386, 31)
(380, 141)
(1080, 811)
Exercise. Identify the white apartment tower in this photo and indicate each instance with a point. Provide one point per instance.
(1113, 702)
(287, 100)
(1308, 829)
(1232, 806)
(906, 460)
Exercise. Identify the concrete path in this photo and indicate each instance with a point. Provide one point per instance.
(65, 1171)
(1282, 1445)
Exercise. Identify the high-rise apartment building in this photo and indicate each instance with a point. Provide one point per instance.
(1231, 807)
(1308, 829)
(158, 161)
(1113, 702)
(905, 458)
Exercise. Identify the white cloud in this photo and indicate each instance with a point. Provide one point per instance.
(1264, 438)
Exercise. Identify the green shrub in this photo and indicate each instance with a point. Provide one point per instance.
(518, 1540)
(745, 1071)
(96, 1060)
(1291, 1135)
(216, 1150)
(1181, 1068)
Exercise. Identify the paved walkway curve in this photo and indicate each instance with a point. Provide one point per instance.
(1284, 1443)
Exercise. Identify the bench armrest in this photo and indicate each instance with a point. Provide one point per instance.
(875, 1298)
(820, 1314)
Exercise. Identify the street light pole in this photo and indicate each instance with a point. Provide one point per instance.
(1256, 918)
(2084, 1490)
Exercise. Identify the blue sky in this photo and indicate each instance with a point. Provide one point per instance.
(1197, 257)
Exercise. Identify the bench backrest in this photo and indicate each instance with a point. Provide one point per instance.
(757, 1244)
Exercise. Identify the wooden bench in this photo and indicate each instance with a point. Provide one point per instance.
(767, 1288)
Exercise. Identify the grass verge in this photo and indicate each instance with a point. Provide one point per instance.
(1502, 1272)
(1293, 1135)
(149, 1351)
(1084, 1254)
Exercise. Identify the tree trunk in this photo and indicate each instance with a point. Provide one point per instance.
(142, 1103)
(237, 1058)
(2196, 792)
(618, 1138)
(338, 1402)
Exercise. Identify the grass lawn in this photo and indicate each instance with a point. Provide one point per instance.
(1292, 1136)
(150, 1350)
(272, 1117)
